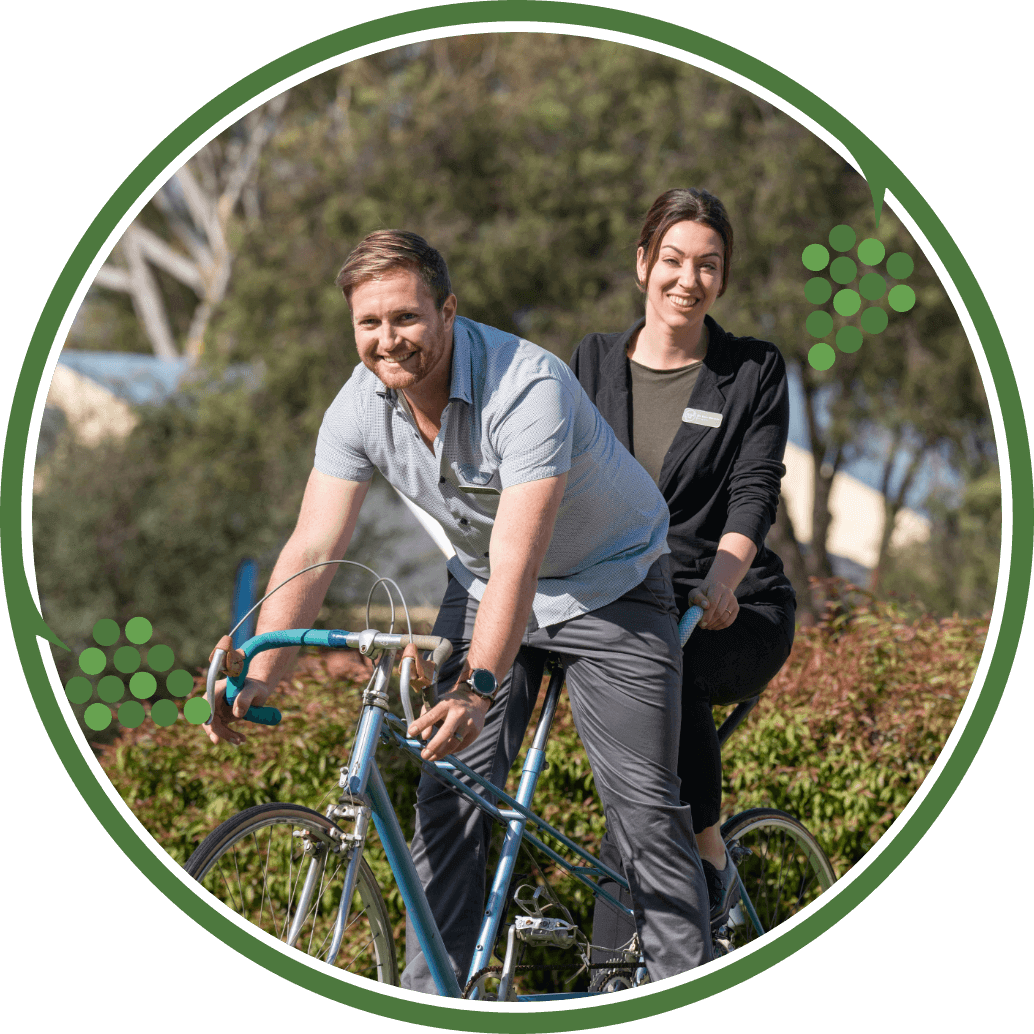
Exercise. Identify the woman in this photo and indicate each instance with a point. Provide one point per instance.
(706, 413)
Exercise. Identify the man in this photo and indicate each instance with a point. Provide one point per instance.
(560, 545)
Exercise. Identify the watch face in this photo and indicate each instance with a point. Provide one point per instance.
(483, 681)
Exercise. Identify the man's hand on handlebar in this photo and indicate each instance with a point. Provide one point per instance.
(462, 717)
(420, 676)
(254, 693)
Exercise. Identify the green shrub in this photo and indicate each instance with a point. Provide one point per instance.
(842, 738)
(845, 734)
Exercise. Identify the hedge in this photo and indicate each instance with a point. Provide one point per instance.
(842, 738)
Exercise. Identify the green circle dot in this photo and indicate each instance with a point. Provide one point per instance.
(819, 323)
(871, 251)
(131, 714)
(142, 685)
(821, 356)
(160, 658)
(138, 630)
(901, 298)
(874, 320)
(92, 660)
(97, 717)
(815, 257)
(163, 712)
(79, 690)
(872, 286)
(110, 688)
(106, 632)
(179, 682)
(817, 290)
(843, 270)
(847, 302)
(196, 711)
(842, 238)
(900, 265)
(849, 339)
(127, 659)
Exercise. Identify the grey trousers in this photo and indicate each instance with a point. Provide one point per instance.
(722, 667)
(624, 685)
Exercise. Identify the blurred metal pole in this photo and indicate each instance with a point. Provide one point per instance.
(245, 593)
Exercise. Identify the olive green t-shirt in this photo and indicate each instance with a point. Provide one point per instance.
(659, 398)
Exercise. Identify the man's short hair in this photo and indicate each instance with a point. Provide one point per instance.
(382, 251)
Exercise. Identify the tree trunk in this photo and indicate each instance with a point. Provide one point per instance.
(782, 540)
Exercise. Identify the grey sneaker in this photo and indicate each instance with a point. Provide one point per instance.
(723, 890)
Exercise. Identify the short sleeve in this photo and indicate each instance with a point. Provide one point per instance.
(534, 436)
(339, 448)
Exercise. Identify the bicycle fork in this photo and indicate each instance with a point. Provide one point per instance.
(353, 806)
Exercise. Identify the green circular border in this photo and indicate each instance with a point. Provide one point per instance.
(881, 175)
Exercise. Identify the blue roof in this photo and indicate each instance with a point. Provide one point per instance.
(130, 376)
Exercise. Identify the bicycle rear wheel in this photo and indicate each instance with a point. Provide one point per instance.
(782, 868)
(264, 861)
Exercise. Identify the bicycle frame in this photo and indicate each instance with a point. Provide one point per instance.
(364, 796)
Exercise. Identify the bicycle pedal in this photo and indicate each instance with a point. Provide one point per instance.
(543, 930)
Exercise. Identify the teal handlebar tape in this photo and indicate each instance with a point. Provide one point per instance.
(688, 623)
(273, 641)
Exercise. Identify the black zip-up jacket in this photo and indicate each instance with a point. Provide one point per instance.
(715, 479)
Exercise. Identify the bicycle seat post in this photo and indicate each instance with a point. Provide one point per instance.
(735, 719)
(549, 706)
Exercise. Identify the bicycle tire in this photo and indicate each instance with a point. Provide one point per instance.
(254, 863)
(781, 866)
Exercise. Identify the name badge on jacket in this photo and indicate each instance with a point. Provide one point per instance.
(701, 416)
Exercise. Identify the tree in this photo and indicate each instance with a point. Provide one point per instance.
(956, 571)
(197, 210)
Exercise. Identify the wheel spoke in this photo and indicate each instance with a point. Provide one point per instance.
(269, 865)
(784, 871)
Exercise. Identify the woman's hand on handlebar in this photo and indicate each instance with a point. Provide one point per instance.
(253, 694)
(718, 602)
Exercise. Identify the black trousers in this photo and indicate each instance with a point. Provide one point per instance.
(718, 668)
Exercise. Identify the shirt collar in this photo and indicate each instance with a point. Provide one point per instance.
(461, 385)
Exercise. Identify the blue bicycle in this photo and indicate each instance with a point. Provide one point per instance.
(301, 878)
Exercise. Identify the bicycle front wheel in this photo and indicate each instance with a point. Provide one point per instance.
(782, 868)
(281, 867)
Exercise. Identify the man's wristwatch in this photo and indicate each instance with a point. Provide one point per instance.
(483, 683)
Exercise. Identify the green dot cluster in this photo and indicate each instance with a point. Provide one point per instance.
(128, 662)
(863, 301)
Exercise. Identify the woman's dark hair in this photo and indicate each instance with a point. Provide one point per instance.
(685, 204)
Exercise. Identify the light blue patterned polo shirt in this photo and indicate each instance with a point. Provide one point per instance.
(516, 413)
